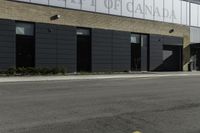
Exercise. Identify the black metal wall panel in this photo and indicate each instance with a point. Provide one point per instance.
(155, 52)
(45, 46)
(111, 50)
(66, 48)
(55, 46)
(121, 51)
(144, 52)
(101, 50)
(170, 40)
(7, 44)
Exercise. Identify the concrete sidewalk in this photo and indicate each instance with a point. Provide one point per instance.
(90, 77)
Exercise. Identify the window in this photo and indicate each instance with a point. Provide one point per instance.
(184, 12)
(168, 16)
(88, 5)
(149, 9)
(83, 32)
(26, 29)
(139, 8)
(102, 6)
(176, 14)
(59, 3)
(158, 10)
(135, 38)
(115, 7)
(127, 8)
(194, 14)
(46, 2)
(74, 4)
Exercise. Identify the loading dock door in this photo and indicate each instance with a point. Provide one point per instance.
(165, 53)
(172, 58)
(195, 57)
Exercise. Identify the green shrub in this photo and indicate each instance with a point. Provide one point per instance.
(10, 71)
(62, 71)
(55, 71)
(33, 71)
(21, 70)
(43, 71)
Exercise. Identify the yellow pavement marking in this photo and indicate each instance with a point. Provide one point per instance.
(137, 132)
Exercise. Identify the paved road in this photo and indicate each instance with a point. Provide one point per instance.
(150, 105)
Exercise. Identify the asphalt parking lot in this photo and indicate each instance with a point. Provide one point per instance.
(149, 105)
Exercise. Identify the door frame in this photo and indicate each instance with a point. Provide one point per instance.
(26, 36)
(141, 52)
(90, 49)
(194, 50)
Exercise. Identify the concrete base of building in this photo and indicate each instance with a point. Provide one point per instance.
(96, 77)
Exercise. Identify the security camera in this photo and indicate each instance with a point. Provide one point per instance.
(58, 16)
(55, 17)
(171, 31)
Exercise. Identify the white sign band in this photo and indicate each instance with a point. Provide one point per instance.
(172, 11)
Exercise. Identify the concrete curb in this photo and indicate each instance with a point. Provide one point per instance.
(92, 77)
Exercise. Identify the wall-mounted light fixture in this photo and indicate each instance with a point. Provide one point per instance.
(55, 17)
(171, 31)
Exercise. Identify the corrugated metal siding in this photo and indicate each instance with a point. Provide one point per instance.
(55, 46)
(101, 50)
(144, 53)
(7, 44)
(110, 50)
(156, 52)
(121, 51)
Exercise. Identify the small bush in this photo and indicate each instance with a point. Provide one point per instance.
(55, 71)
(21, 70)
(62, 71)
(10, 71)
(44, 71)
(33, 71)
